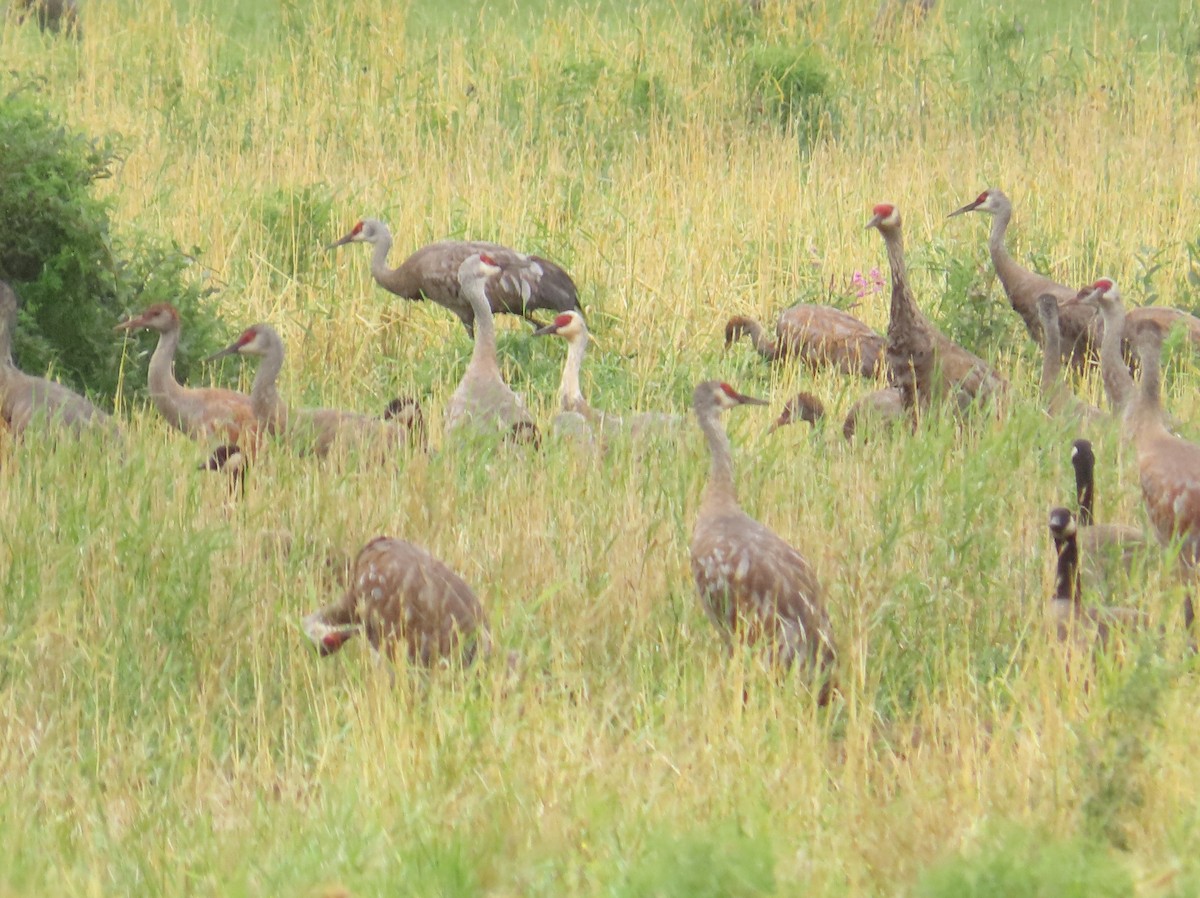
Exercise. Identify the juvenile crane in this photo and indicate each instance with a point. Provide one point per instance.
(404, 599)
(523, 284)
(803, 406)
(753, 585)
(923, 363)
(878, 409)
(819, 336)
(313, 429)
(202, 414)
(25, 399)
(483, 400)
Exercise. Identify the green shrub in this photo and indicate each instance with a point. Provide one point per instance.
(720, 863)
(1013, 862)
(791, 85)
(75, 276)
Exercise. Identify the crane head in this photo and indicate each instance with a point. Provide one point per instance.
(720, 395)
(253, 341)
(801, 407)
(478, 266)
(161, 316)
(568, 325)
(368, 230)
(989, 201)
(884, 215)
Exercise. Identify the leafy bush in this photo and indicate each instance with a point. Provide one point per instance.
(1013, 862)
(75, 277)
(791, 85)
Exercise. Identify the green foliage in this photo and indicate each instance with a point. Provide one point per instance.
(790, 84)
(1013, 862)
(964, 310)
(295, 224)
(720, 863)
(57, 248)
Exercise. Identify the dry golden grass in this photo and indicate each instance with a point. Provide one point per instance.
(164, 727)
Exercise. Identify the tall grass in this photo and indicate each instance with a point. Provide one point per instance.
(164, 727)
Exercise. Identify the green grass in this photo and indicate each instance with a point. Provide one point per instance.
(166, 729)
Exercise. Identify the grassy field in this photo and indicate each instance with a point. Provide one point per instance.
(166, 729)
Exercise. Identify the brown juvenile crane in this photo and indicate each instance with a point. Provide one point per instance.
(311, 429)
(202, 413)
(819, 336)
(753, 585)
(804, 406)
(482, 400)
(25, 399)
(523, 284)
(404, 599)
(923, 363)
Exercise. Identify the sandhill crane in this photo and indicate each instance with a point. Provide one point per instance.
(879, 408)
(522, 285)
(200, 413)
(819, 336)
(26, 400)
(1078, 327)
(1057, 396)
(1099, 543)
(922, 361)
(228, 459)
(400, 594)
(571, 327)
(803, 406)
(1114, 373)
(483, 400)
(314, 429)
(1073, 622)
(752, 584)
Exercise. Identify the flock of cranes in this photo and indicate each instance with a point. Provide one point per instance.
(753, 585)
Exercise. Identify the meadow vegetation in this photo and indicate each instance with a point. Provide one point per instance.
(166, 729)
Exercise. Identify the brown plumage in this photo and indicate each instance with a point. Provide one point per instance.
(1114, 373)
(523, 284)
(406, 412)
(1099, 544)
(753, 585)
(1168, 465)
(1081, 329)
(314, 430)
(26, 400)
(801, 407)
(1072, 621)
(1057, 396)
(923, 363)
(203, 414)
(483, 401)
(879, 408)
(819, 336)
(402, 596)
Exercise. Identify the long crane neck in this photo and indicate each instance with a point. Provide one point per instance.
(1144, 414)
(483, 356)
(264, 395)
(1051, 353)
(904, 307)
(381, 246)
(570, 394)
(164, 388)
(1006, 268)
(720, 491)
(1118, 382)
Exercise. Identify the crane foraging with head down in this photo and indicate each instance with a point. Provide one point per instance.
(522, 285)
(819, 336)
(200, 413)
(401, 596)
(26, 400)
(753, 585)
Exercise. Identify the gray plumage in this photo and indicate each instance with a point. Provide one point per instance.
(523, 284)
(753, 585)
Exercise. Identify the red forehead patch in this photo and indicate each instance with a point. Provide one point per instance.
(563, 320)
(982, 198)
(357, 229)
(247, 335)
(730, 391)
(1103, 284)
(487, 260)
(884, 209)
